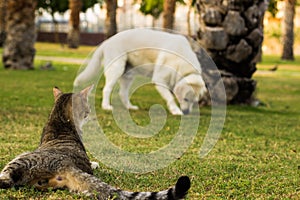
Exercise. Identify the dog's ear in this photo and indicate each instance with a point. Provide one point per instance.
(197, 83)
(194, 79)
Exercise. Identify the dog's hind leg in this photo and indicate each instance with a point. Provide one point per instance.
(125, 83)
(113, 73)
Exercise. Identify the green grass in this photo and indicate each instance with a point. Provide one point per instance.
(271, 60)
(256, 157)
(57, 50)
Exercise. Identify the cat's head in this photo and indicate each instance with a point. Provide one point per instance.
(73, 107)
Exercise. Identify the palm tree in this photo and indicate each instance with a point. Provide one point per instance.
(169, 7)
(191, 5)
(153, 8)
(232, 34)
(110, 21)
(3, 4)
(19, 52)
(288, 30)
(73, 37)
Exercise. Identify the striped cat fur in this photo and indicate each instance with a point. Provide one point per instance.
(61, 161)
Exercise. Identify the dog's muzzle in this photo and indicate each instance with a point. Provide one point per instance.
(186, 111)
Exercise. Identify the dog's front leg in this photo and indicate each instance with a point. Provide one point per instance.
(169, 98)
(125, 83)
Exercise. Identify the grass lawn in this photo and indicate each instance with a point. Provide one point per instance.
(256, 157)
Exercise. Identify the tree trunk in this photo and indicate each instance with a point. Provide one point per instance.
(231, 32)
(55, 23)
(19, 49)
(110, 21)
(73, 37)
(168, 14)
(3, 7)
(288, 30)
(188, 18)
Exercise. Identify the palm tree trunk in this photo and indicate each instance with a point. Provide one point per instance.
(168, 13)
(111, 21)
(19, 49)
(188, 18)
(288, 30)
(3, 6)
(55, 23)
(73, 37)
(232, 35)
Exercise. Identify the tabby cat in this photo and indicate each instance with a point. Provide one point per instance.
(61, 161)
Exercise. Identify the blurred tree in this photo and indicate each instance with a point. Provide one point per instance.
(272, 8)
(3, 7)
(169, 8)
(90, 3)
(19, 52)
(73, 38)
(191, 5)
(156, 7)
(52, 7)
(232, 34)
(110, 21)
(61, 6)
(153, 8)
(288, 30)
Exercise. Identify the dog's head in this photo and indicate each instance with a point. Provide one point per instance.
(188, 91)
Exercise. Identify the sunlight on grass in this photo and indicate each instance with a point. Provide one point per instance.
(57, 50)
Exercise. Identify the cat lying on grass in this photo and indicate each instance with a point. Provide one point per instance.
(61, 161)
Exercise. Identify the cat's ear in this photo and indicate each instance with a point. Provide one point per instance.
(85, 92)
(56, 93)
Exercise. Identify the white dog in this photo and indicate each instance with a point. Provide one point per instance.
(167, 58)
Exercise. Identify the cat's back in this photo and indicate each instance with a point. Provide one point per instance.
(63, 155)
(61, 137)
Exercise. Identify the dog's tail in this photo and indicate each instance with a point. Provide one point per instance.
(92, 69)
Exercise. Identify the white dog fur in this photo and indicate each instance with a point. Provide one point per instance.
(165, 57)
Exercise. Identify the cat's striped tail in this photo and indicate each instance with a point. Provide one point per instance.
(78, 181)
(179, 191)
